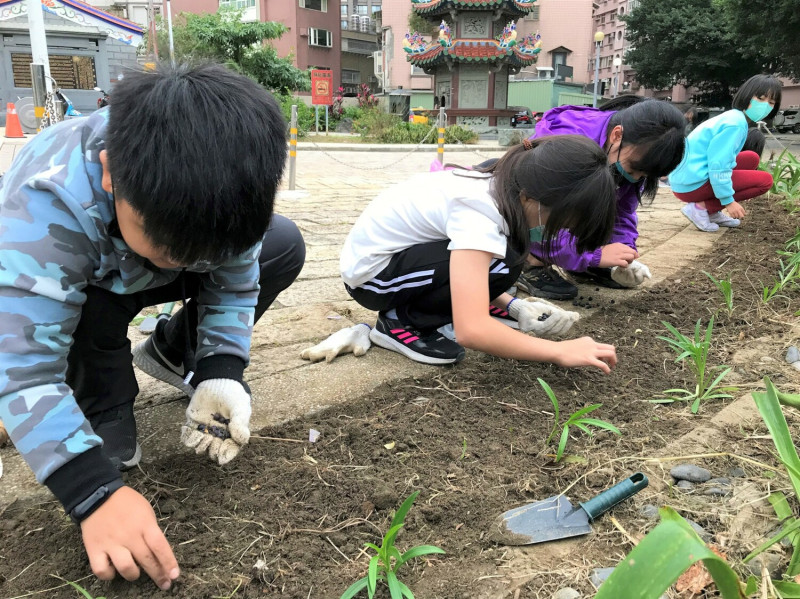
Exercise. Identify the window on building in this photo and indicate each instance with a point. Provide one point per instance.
(533, 15)
(559, 58)
(375, 7)
(619, 35)
(320, 37)
(71, 72)
(344, 23)
(344, 10)
(320, 5)
(362, 9)
(350, 76)
(237, 4)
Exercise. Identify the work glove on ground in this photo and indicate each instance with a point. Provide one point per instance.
(632, 276)
(352, 339)
(218, 419)
(541, 318)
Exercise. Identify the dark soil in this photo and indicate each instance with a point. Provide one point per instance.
(471, 439)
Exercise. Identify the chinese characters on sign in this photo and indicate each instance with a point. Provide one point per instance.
(322, 86)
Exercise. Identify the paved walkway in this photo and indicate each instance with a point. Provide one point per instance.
(333, 187)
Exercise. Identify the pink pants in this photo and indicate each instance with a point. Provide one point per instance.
(747, 183)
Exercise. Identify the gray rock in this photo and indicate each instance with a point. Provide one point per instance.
(792, 355)
(772, 560)
(720, 482)
(566, 593)
(345, 126)
(796, 365)
(690, 472)
(737, 472)
(599, 576)
(701, 532)
(511, 137)
(685, 485)
(649, 511)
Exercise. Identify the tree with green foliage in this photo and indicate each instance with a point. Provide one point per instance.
(769, 27)
(242, 46)
(689, 42)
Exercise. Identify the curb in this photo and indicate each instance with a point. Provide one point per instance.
(345, 147)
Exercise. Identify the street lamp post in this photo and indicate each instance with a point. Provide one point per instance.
(617, 64)
(598, 39)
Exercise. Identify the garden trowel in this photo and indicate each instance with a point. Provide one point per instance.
(148, 325)
(556, 518)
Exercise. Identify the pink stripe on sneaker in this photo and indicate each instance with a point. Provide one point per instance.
(395, 331)
(410, 339)
(404, 335)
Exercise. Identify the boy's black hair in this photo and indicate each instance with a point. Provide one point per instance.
(566, 174)
(657, 129)
(755, 142)
(198, 152)
(757, 86)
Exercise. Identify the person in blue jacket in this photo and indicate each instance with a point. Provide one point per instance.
(715, 173)
(167, 194)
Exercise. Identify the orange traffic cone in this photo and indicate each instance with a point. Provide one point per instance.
(13, 126)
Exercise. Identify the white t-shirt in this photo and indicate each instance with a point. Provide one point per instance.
(454, 204)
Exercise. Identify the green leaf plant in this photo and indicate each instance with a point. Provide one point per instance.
(726, 289)
(694, 351)
(383, 566)
(661, 557)
(577, 419)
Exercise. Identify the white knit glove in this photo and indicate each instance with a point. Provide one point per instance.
(540, 317)
(218, 419)
(352, 339)
(632, 276)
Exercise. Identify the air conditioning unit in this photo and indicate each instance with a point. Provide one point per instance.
(354, 21)
(377, 63)
(304, 32)
(364, 24)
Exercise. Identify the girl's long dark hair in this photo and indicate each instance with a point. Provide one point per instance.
(657, 129)
(569, 176)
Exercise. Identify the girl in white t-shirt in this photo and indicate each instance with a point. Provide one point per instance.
(439, 247)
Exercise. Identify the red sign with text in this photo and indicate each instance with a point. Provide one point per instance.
(322, 86)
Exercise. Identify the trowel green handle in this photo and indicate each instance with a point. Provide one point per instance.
(167, 309)
(597, 506)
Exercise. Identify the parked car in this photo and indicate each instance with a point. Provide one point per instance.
(523, 117)
(787, 120)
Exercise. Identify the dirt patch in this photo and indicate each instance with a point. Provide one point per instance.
(472, 440)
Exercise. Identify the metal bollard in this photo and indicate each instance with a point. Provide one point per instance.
(293, 147)
(39, 92)
(440, 122)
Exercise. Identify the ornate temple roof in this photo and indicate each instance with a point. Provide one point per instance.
(473, 50)
(434, 8)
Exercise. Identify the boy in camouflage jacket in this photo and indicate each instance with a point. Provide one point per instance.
(169, 195)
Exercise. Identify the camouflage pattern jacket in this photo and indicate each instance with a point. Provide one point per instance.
(54, 242)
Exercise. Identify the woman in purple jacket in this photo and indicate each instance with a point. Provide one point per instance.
(644, 140)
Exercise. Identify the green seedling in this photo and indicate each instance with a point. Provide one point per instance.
(726, 289)
(82, 592)
(463, 449)
(383, 566)
(785, 171)
(695, 352)
(788, 275)
(577, 419)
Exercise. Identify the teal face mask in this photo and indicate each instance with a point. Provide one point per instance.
(537, 233)
(625, 174)
(758, 110)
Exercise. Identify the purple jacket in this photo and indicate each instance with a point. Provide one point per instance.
(591, 123)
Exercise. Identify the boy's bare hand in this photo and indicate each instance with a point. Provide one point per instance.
(122, 536)
(585, 351)
(736, 210)
(617, 254)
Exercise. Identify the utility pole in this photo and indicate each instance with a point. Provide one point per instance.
(169, 28)
(38, 38)
(598, 40)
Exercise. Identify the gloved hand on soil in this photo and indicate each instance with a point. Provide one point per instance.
(632, 276)
(353, 339)
(218, 419)
(541, 318)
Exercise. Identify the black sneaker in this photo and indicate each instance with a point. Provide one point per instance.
(117, 429)
(430, 348)
(155, 358)
(598, 276)
(502, 316)
(543, 281)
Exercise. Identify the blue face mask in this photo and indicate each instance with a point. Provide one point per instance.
(537, 233)
(621, 172)
(758, 110)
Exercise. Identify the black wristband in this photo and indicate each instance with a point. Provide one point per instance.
(87, 507)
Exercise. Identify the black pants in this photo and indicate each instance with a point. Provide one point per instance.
(416, 283)
(99, 364)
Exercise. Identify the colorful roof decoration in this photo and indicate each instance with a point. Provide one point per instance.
(477, 50)
(80, 13)
(515, 8)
